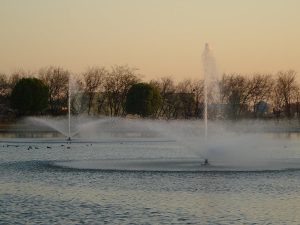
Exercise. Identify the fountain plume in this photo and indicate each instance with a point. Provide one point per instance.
(210, 75)
(69, 109)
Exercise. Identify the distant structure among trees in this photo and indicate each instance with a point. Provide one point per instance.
(106, 91)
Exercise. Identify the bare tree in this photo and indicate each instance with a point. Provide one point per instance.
(234, 93)
(166, 87)
(57, 80)
(5, 91)
(198, 91)
(93, 81)
(4, 85)
(297, 103)
(286, 90)
(17, 75)
(261, 86)
(116, 86)
(186, 98)
(241, 93)
(260, 89)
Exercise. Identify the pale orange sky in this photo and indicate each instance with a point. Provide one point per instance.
(160, 37)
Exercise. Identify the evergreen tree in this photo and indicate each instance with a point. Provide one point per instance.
(29, 96)
(143, 99)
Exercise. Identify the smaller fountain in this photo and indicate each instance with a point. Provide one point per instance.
(69, 111)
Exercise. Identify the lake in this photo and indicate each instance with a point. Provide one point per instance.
(42, 184)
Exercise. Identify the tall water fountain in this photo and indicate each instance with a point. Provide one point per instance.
(210, 81)
(210, 75)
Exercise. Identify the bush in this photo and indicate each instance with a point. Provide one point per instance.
(143, 99)
(29, 96)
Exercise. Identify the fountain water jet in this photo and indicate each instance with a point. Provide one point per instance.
(69, 110)
(210, 78)
(73, 98)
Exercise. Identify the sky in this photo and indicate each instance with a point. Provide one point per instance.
(159, 37)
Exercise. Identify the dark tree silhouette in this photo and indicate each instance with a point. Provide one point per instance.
(29, 96)
(143, 99)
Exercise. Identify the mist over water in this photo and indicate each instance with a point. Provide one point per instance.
(253, 144)
(150, 171)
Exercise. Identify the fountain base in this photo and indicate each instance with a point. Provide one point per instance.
(145, 164)
(205, 163)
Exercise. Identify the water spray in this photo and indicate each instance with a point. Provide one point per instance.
(69, 110)
(209, 73)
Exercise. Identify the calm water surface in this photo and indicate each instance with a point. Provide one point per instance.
(34, 190)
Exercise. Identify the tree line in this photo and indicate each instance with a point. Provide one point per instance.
(103, 91)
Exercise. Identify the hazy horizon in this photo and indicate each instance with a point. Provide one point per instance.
(161, 38)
